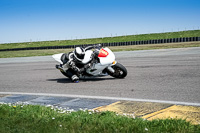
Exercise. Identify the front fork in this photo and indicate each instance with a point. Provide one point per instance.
(110, 69)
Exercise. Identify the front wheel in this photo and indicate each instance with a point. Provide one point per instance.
(119, 71)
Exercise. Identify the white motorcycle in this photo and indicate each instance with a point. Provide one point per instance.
(104, 65)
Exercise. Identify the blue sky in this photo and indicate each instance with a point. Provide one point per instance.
(42, 20)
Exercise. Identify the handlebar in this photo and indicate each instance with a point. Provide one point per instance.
(97, 46)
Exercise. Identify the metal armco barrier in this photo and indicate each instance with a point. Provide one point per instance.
(158, 41)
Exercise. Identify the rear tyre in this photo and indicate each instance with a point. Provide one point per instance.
(120, 71)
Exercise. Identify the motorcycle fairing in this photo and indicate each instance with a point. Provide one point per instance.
(57, 57)
(109, 59)
(96, 70)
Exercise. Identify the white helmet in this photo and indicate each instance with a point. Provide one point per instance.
(79, 53)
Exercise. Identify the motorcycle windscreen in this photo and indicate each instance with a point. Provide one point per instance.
(106, 56)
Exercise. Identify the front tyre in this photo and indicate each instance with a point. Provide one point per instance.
(119, 71)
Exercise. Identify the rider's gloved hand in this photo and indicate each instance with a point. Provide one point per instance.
(98, 46)
(76, 69)
(88, 66)
(71, 63)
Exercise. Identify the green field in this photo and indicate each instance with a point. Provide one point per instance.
(141, 37)
(26, 53)
(40, 119)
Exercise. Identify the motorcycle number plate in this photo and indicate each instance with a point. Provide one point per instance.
(103, 53)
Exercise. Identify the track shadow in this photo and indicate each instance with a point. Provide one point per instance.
(66, 80)
(95, 79)
(61, 80)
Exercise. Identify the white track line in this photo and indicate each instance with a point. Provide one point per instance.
(103, 97)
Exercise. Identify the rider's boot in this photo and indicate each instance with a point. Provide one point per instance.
(75, 79)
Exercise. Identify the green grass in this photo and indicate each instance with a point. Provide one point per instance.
(26, 53)
(191, 33)
(29, 53)
(41, 119)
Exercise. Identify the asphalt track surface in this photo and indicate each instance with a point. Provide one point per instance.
(163, 75)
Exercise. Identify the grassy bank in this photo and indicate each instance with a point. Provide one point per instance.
(8, 54)
(30, 118)
(191, 33)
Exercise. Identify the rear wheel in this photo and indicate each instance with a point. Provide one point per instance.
(120, 71)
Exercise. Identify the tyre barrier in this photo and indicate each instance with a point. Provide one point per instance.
(157, 41)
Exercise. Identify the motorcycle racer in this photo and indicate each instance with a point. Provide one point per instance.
(79, 60)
